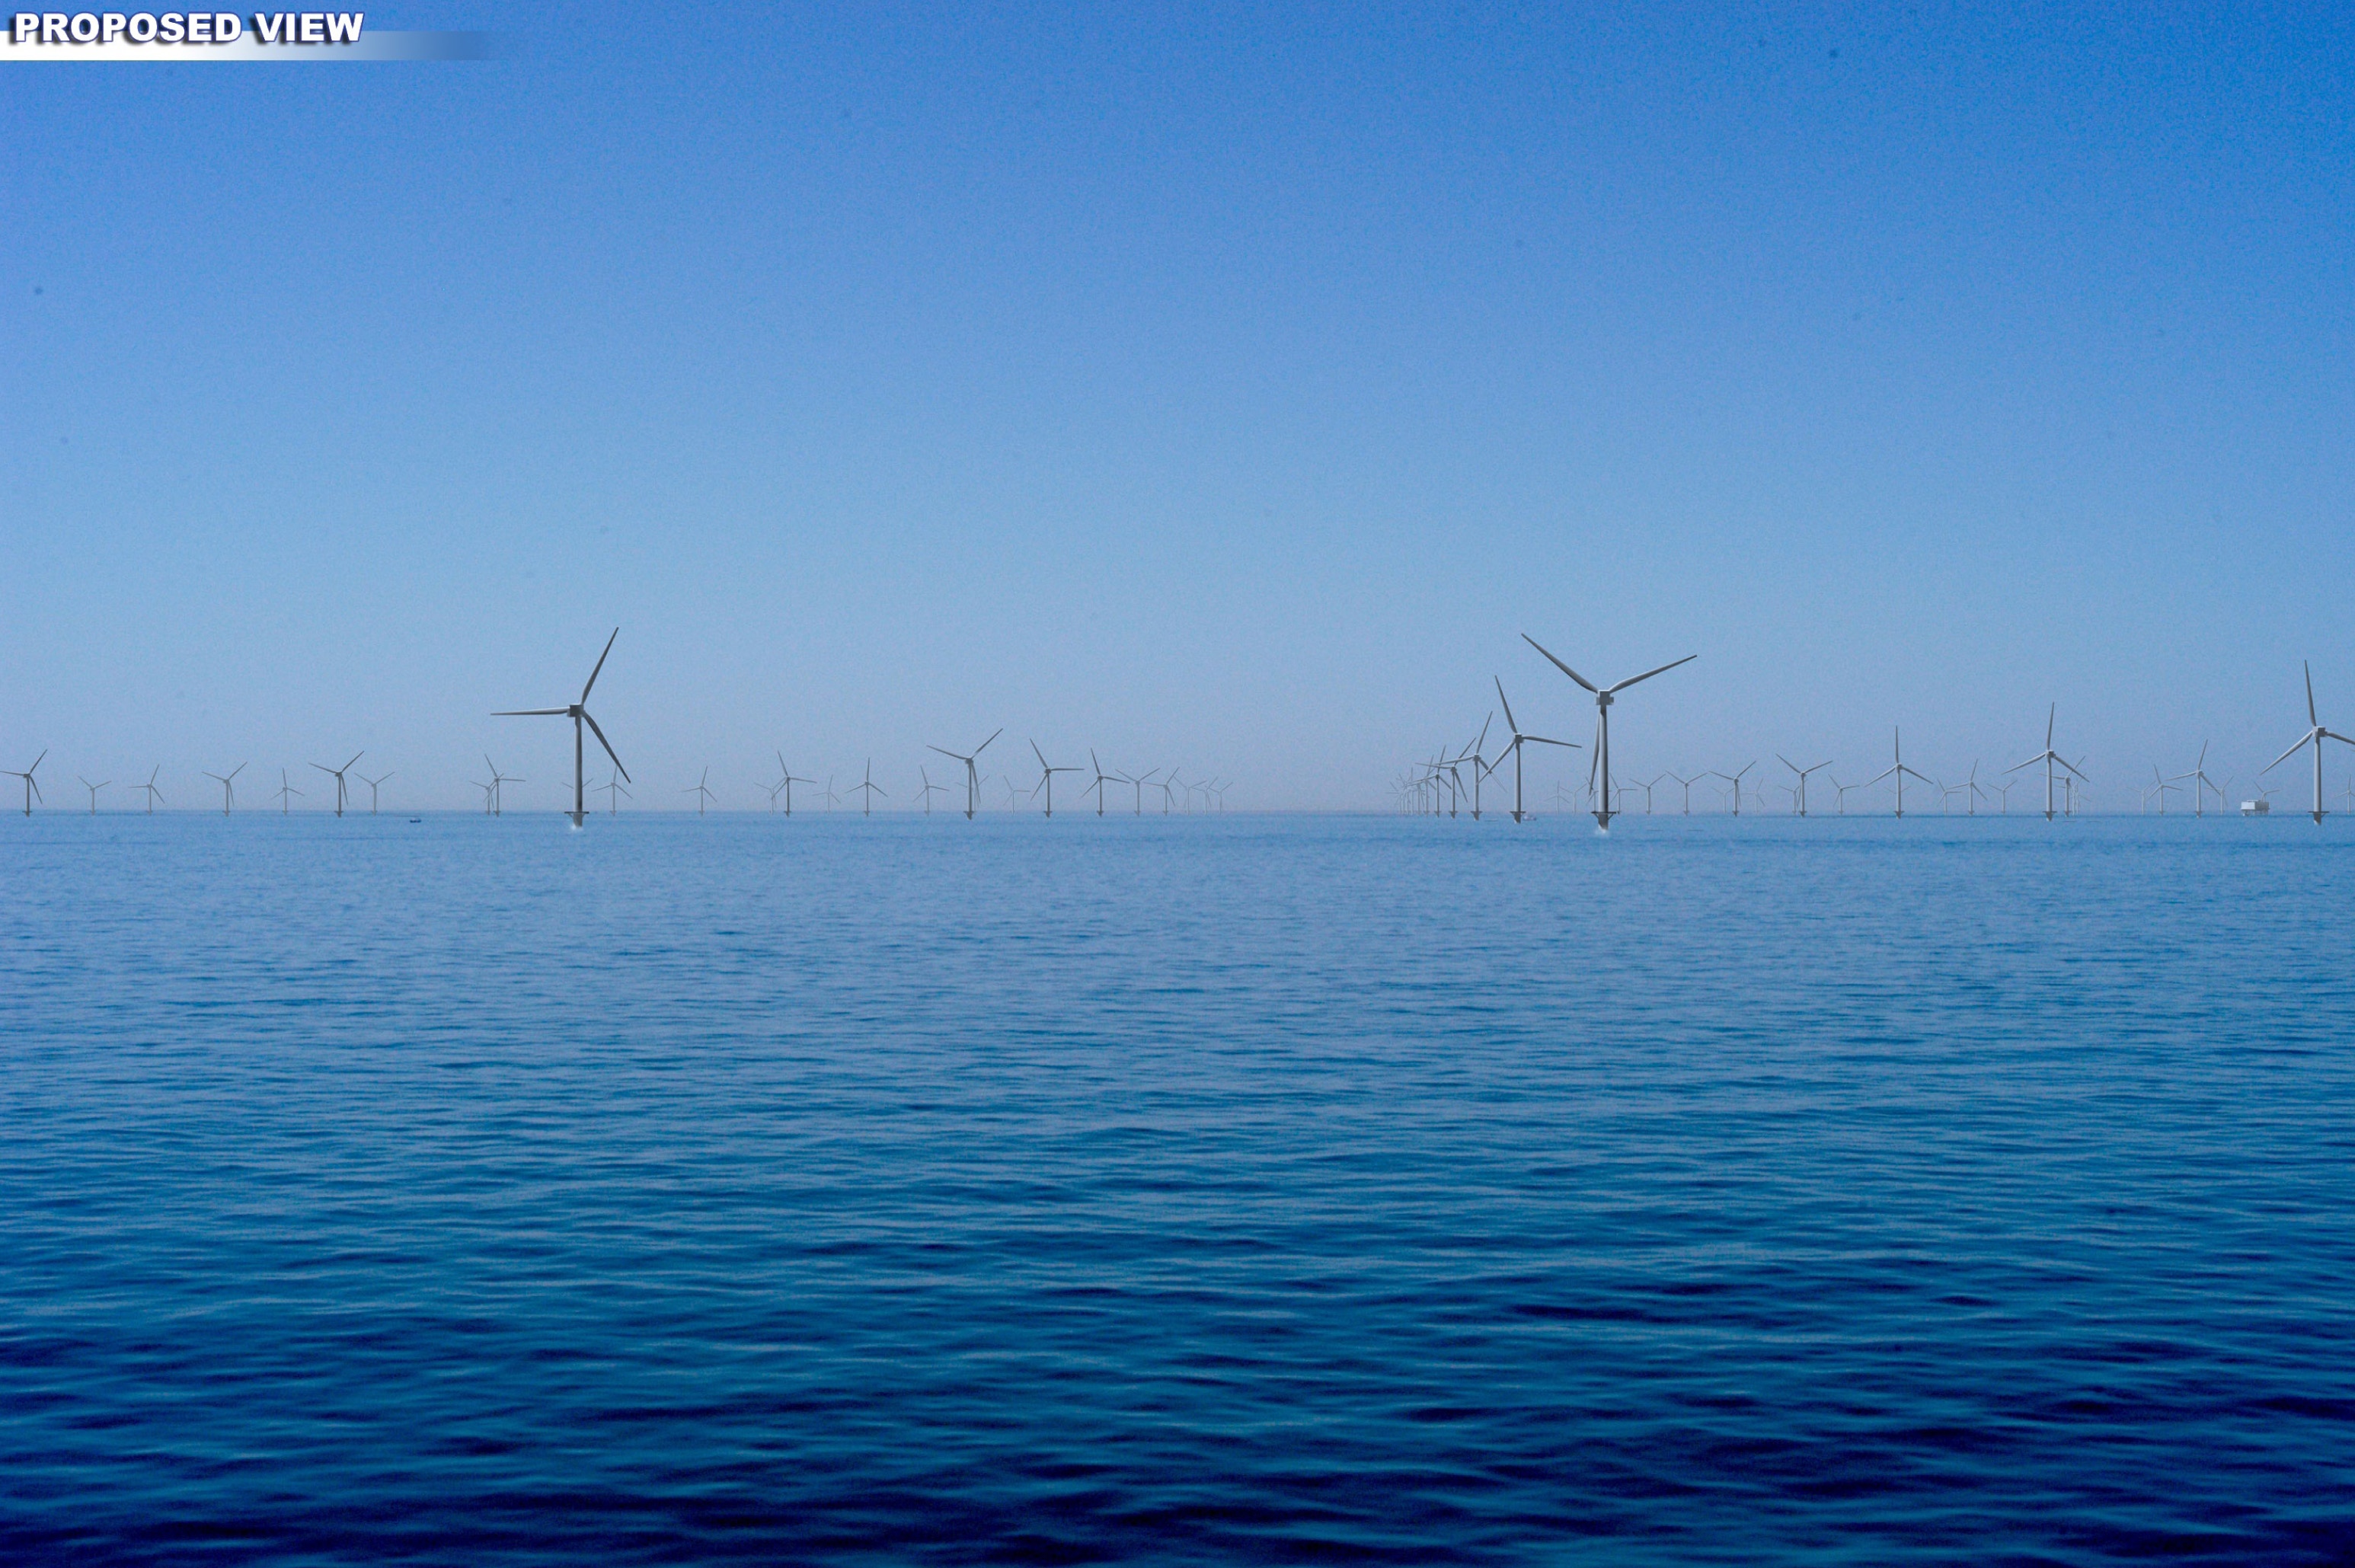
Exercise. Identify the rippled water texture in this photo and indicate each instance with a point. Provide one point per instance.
(481, 1191)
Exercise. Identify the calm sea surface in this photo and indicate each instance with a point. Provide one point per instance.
(480, 1191)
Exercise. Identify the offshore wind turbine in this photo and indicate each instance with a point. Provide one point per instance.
(1735, 780)
(2313, 737)
(500, 781)
(32, 789)
(1047, 775)
(2201, 783)
(1801, 798)
(1140, 782)
(286, 793)
(1687, 784)
(612, 788)
(1899, 771)
(154, 794)
(1515, 747)
(229, 787)
(930, 790)
(785, 782)
(1103, 778)
(93, 789)
(579, 713)
(702, 795)
(972, 773)
(867, 789)
(338, 775)
(2048, 757)
(374, 785)
(1603, 698)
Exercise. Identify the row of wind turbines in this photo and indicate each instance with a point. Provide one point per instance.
(1174, 788)
(1438, 784)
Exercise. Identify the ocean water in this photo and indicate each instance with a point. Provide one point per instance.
(1188, 1189)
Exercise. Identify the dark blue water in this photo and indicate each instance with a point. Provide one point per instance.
(1192, 1190)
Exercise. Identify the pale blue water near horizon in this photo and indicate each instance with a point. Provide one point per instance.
(1188, 1189)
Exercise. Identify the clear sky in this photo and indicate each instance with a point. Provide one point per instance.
(1217, 386)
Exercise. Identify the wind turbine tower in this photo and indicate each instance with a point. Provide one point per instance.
(1047, 775)
(579, 713)
(1801, 799)
(2049, 758)
(229, 787)
(2313, 737)
(93, 789)
(1603, 699)
(972, 773)
(1898, 770)
(337, 775)
(32, 789)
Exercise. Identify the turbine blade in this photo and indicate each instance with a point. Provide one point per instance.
(1509, 722)
(604, 743)
(1558, 664)
(1650, 673)
(525, 713)
(2310, 716)
(994, 734)
(2285, 756)
(601, 665)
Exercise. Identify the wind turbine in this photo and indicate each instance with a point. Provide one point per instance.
(614, 794)
(1840, 791)
(867, 789)
(229, 787)
(930, 790)
(1103, 778)
(2048, 757)
(93, 789)
(286, 793)
(1603, 696)
(1480, 768)
(338, 775)
(786, 780)
(1140, 782)
(1970, 791)
(1047, 775)
(1735, 780)
(154, 794)
(374, 785)
(1687, 784)
(1168, 778)
(702, 795)
(32, 789)
(1899, 771)
(2201, 783)
(1801, 799)
(579, 713)
(2314, 737)
(972, 774)
(500, 781)
(2159, 787)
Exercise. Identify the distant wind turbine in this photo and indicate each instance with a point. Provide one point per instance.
(374, 785)
(154, 794)
(1899, 771)
(2048, 757)
(2313, 737)
(286, 793)
(229, 787)
(1103, 778)
(702, 795)
(2201, 783)
(500, 781)
(579, 713)
(1735, 780)
(867, 789)
(1603, 698)
(32, 789)
(337, 773)
(1140, 782)
(972, 773)
(1047, 775)
(93, 789)
(614, 794)
(1801, 800)
(785, 781)
(930, 790)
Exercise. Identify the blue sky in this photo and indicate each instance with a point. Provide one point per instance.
(1224, 387)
